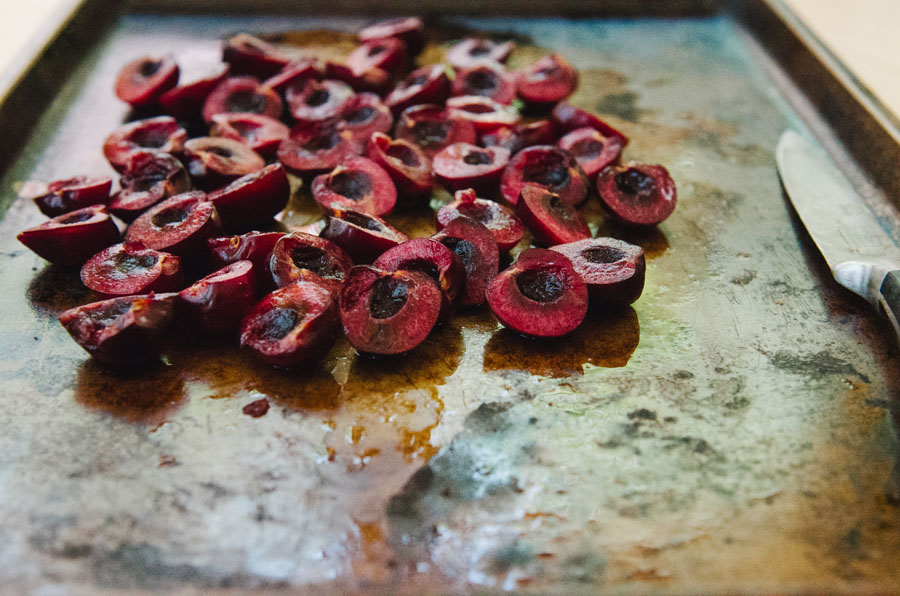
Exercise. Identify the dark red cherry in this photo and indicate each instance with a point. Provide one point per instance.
(386, 312)
(612, 269)
(410, 30)
(551, 220)
(362, 115)
(123, 331)
(472, 52)
(477, 250)
(162, 133)
(431, 128)
(260, 133)
(313, 149)
(428, 84)
(185, 101)
(549, 80)
(433, 258)
(71, 194)
(255, 247)
(292, 325)
(215, 161)
(142, 81)
(359, 184)
(220, 300)
(388, 54)
(249, 55)
(292, 74)
(405, 163)
(551, 167)
(593, 152)
(179, 225)
(541, 295)
(131, 268)
(253, 199)
(314, 101)
(72, 238)
(569, 118)
(515, 138)
(462, 165)
(499, 219)
(483, 112)
(637, 194)
(372, 79)
(299, 256)
(149, 177)
(487, 80)
(243, 95)
(364, 237)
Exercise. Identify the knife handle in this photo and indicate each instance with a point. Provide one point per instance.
(889, 299)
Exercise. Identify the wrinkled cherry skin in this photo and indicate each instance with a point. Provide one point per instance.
(569, 118)
(220, 300)
(130, 268)
(550, 220)
(428, 84)
(244, 95)
(548, 81)
(142, 81)
(72, 238)
(462, 165)
(179, 225)
(405, 163)
(185, 102)
(499, 219)
(122, 331)
(548, 166)
(253, 199)
(359, 184)
(314, 101)
(637, 194)
(162, 133)
(216, 161)
(303, 257)
(362, 236)
(388, 313)
(477, 250)
(292, 325)
(433, 258)
(559, 298)
(487, 80)
(260, 133)
(149, 177)
(472, 52)
(593, 151)
(612, 269)
(410, 30)
(431, 128)
(249, 55)
(71, 194)
(388, 54)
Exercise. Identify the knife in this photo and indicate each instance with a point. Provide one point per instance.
(862, 257)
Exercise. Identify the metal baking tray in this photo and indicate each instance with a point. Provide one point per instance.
(732, 432)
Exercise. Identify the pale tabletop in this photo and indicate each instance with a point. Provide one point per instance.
(864, 37)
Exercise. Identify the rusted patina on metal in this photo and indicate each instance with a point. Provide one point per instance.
(728, 433)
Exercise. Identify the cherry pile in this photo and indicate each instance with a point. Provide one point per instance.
(367, 136)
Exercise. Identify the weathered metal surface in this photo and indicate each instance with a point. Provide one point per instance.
(728, 433)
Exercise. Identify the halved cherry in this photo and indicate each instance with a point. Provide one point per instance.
(363, 236)
(550, 219)
(162, 133)
(150, 177)
(253, 199)
(249, 55)
(551, 167)
(515, 138)
(433, 258)
(179, 225)
(71, 238)
(220, 300)
(185, 101)
(405, 163)
(122, 331)
(612, 269)
(549, 80)
(313, 149)
(261, 133)
(471, 52)
(593, 151)
(362, 115)
(242, 94)
(487, 80)
(292, 325)
(314, 101)
(499, 219)
(483, 112)
(431, 128)
(410, 30)
(371, 79)
(299, 256)
(428, 84)
(142, 81)
(477, 250)
(462, 165)
(637, 194)
(215, 161)
(386, 312)
(568, 117)
(75, 193)
(255, 247)
(541, 295)
(388, 54)
(359, 184)
(131, 268)
(292, 74)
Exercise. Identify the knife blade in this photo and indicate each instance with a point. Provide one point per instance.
(862, 257)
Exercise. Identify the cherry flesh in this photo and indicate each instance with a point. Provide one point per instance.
(149, 177)
(242, 95)
(249, 55)
(518, 137)
(483, 112)
(612, 269)
(72, 194)
(462, 165)
(410, 30)
(362, 115)
(253, 199)
(292, 74)
(300, 256)
(433, 258)
(216, 161)
(431, 128)
(260, 133)
(72, 238)
(550, 220)
(179, 225)
(405, 163)
(637, 194)
(486, 80)
(499, 219)
(548, 81)
(255, 247)
(477, 250)
(220, 300)
(373, 79)
(131, 268)
(428, 84)
(473, 52)
(358, 184)
(142, 81)
(388, 54)
(313, 149)
(550, 167)
(569, 118)
(162, 133)
(362, 236)
(315, 101)
(593, 151)
(185, 101)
